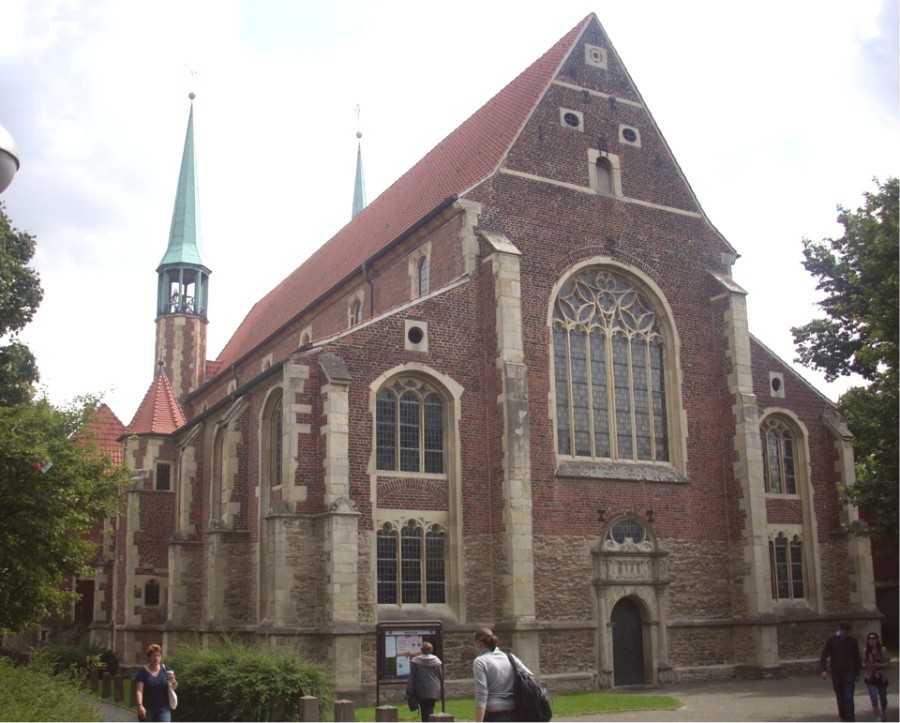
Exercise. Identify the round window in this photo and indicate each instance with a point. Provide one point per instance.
(629, 135)
(628, 528)
(572, 120)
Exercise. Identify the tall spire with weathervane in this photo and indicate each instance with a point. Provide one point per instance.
(359, 186)
(183, 290)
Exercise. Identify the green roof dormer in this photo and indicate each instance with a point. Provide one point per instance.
(183, 277)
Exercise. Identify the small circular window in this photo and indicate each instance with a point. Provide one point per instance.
(629, 135)
(415, 334)
(628, 528)
(572, 120)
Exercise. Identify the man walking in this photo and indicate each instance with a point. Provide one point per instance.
(846, 664)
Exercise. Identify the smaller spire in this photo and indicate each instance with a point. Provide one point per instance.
(359, 185)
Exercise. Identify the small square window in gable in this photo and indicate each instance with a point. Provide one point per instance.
(572, 119)
(595, 56)
(629, 136)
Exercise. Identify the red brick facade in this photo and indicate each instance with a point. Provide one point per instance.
(529, 548)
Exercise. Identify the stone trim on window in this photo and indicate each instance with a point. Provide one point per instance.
(411, 563)
(613, 369)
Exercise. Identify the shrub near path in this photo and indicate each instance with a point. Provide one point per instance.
(27, 694)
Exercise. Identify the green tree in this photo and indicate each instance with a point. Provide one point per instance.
(20, 296)
(55, 487)
(859, 275)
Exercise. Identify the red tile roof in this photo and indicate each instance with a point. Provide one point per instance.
(159, 413)
(461, 161)
(104, 428)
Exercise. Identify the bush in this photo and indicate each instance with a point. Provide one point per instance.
(234, 682)
(28, 694)
(79, 660)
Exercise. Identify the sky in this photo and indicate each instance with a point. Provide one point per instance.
(777, 112)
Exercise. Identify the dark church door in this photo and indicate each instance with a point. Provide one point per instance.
(628, 643)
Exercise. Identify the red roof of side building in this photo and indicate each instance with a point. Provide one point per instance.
(104, 428)
(465, 158)
(159, 413)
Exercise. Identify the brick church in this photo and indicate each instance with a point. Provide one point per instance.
(516, 390)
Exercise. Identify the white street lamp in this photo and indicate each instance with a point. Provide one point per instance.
(9, 159)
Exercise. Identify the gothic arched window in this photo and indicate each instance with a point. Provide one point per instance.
(609, 355)
(778, 457)
(409, 424)
(422, 275)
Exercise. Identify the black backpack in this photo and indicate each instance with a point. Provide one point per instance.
(533, 702)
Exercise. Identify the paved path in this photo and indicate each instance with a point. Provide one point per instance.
(797, 698)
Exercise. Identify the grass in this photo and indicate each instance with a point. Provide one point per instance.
(564, 705)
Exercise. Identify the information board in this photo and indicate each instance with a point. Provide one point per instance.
(397, 643)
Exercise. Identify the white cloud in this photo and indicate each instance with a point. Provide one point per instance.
(769, 108)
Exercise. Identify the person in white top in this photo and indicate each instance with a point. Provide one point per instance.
(494, 680)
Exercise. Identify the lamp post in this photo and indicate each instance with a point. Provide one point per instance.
(9, 159)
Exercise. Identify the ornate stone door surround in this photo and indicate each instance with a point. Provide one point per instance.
(638, 570)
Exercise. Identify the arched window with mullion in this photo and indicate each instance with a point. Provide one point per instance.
(778, 457)
(609, 359)
(409, 427)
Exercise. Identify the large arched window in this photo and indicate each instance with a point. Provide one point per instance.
(411, 564)
(409, 422)
(609, 356)
(779, 457)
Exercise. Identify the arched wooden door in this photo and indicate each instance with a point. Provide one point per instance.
(628, 643)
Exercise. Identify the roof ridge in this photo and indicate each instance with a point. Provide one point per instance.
(467, 156)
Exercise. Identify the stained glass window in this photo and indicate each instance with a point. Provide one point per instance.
(609, 356)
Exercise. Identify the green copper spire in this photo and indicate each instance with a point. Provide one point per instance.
(183, 277)
(359, 187)
(184, 235)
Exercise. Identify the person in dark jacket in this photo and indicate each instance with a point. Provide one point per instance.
(842, 650)
(426, 680)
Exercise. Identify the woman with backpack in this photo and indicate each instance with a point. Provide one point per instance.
(494, 680)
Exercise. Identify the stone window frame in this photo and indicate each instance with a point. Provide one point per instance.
(451, 518)
(163, 477)
(781, 425)
(794, 547)
(152, 593)
(271, 440)
(419, 265)
(614, 162)
(672, 470)
(610, 543)
(355, 309)
(398, 387)
(432, 579)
